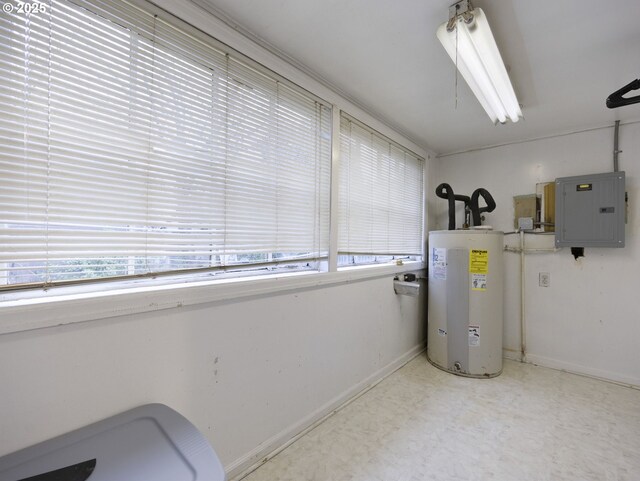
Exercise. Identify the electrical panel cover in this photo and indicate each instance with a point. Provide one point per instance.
(590, 210)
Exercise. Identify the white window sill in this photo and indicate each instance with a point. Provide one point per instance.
(20, 312)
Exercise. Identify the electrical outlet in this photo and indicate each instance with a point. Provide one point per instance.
(544, 279)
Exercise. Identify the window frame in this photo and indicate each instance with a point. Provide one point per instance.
(36, 308)
(360, 258)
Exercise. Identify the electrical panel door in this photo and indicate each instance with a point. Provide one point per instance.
(590, 210)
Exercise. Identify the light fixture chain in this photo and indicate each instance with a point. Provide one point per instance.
(456, 80)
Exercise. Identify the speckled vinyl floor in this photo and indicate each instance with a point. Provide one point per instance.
(420, 423)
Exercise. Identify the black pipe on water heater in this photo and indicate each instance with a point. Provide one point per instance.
(445, 191)
(471, 204)
(476, 210)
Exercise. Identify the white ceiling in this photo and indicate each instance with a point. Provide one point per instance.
(565, 57)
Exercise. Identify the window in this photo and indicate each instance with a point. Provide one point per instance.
(381, 198)
(132, 145)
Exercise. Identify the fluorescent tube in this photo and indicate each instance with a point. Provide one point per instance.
(481, 65)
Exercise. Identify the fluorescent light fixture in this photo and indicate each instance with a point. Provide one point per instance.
(468, 40)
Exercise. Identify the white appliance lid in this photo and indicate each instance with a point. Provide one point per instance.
(151, 442)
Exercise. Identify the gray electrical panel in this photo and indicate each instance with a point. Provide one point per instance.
(590, 210)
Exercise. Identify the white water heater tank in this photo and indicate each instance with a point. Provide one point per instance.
(465, 301)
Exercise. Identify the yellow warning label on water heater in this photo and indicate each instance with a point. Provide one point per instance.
(478, 261)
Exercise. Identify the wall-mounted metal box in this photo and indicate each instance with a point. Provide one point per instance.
(590, 210)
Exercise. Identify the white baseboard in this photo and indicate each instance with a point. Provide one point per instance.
(584, 370)
(572, 368)
(265, 451)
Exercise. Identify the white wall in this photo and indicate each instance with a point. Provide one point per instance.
(248, 374)
(587, 320)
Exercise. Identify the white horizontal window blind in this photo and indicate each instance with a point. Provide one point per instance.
(381, 196)
(133, 145)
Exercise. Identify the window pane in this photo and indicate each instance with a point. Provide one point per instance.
(381, 198)
(133, 147)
